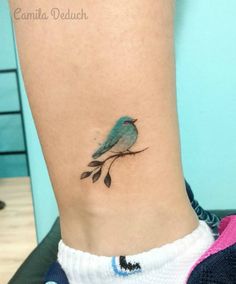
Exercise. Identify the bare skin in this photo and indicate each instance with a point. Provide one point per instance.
(80, 77)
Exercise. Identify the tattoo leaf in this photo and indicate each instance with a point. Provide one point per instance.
(107, 180)
(97, 175)
(85, 175)
(95, 163)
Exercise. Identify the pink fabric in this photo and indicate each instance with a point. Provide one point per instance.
(227, 237)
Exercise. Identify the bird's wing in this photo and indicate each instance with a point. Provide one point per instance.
(110, 141)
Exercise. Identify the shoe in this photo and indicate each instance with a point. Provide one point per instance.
(211, 219)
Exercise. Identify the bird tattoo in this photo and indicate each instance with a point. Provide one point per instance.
(121, 137)
(119, 141)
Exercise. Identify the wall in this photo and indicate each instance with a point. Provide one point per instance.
(11, 136)
(206, 88)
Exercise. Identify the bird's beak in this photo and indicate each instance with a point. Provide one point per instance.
(134, 120)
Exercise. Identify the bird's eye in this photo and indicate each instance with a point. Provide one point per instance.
(126, 122)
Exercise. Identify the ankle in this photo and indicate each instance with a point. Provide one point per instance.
(126, 231)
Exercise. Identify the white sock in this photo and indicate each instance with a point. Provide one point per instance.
(168, 264)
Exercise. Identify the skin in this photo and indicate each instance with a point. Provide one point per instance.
(80, 77)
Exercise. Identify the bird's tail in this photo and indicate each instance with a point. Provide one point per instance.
(101, 150)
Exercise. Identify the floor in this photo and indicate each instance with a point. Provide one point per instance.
(17, 233)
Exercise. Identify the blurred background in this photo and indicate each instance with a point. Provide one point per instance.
(206, 91)
(14, 162)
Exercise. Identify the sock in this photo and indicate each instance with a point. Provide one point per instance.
(168, 264)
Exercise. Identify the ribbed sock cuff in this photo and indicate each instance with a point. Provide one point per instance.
(170, 262)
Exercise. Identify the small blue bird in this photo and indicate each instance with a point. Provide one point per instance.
(121, 138)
